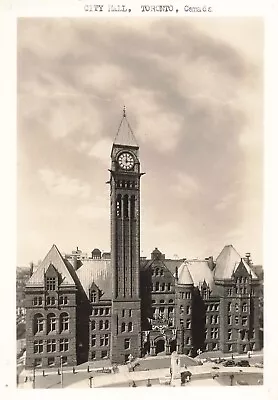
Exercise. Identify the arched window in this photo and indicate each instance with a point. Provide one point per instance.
(244, 307)
(51, 323)
(119, 206)
(125, 206)
(163, 286)
(161, 272)
(64, 322)
(93, 326)
(236, 307)
(157, 286)
(101, 324)
(171, 301)
(38, 323)
(169, 287)
(129, 327)
(161, 301)
(157, 271)
(106, 324)
(123, 327)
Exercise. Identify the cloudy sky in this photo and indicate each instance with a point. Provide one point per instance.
(194, 96)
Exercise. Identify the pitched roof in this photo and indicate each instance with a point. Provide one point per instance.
(247, 267)
(125, 135)
(227, 262)
(184, 275)
(200, 272)
(54, 258)
(99, 272)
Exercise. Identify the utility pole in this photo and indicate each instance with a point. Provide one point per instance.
(61, 372)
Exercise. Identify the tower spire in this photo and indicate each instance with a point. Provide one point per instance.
(125, 135)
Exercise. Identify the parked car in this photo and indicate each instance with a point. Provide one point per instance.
(229, 363)
(243, 363)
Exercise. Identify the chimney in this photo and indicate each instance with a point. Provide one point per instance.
(248, 259)
(210, 262)
(176, 274)
(31, 268)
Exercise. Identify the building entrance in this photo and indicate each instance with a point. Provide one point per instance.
(160, 346)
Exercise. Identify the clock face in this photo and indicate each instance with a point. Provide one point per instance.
(126, 161)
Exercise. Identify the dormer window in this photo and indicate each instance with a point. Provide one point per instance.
(50, 283)
(93, 296)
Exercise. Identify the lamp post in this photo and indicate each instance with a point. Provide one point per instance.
(61, 359)
(34, 375)
(91, 382)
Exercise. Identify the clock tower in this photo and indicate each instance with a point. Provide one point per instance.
(125, 244)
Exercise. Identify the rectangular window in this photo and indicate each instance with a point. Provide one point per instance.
(206, 333)
(38, 346)
(181, 321)
(101, 340)
(188, 324)
(51, 361)
(93, 355)
(229, 334)
(35, 301)
(93, 341)
(106, 340)
(163, 287)
(229, 320)
(96, 311)
(157, 286)
(93, 325)
(51, 345)
(212, 319)
(187, 295)
(107, 311)
(188, 309)
(230, 347)
(101, 311)
(216, 320)
(127, 344)
(130, 313)
(229, 291)
(38, 362)
(104, 354)
(169, 287)
(64, 360)
(236, 319)
(64, 344)
(216, 307)
(50, 284)
(229, 307)
(123, 313)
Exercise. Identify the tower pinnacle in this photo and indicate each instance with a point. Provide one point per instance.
(125, 135)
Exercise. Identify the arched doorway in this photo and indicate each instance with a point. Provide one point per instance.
(159, 346)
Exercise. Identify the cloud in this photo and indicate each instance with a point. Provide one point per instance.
(186, 186)
(94, 210)
(59, 184)
(101, 149)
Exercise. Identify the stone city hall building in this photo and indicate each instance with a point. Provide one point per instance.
(111, 305)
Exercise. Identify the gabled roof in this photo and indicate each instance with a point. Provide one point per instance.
(54, 258)
(125, 135)
(247, 267)
(227, 262)
(184, 275)
(98, 272)
(200, 272)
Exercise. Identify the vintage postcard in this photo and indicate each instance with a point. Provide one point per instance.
(140, 142)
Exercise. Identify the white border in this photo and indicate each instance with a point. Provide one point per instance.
(10, 10)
